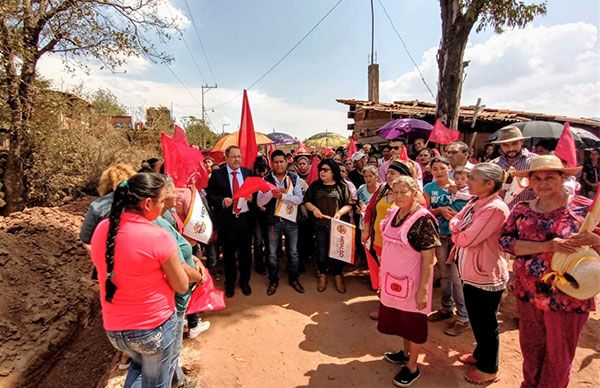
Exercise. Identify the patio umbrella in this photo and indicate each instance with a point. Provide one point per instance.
(326, 139)
(232, 139)
(407, 128)
(281, 138)
(551, 130)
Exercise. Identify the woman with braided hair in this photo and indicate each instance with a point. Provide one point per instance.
(139, 272)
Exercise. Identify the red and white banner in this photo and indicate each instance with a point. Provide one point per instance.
(197, 224)
(341, 241)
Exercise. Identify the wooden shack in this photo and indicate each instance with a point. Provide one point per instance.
(368, 116)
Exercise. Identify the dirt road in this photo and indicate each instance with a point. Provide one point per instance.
(327, 340)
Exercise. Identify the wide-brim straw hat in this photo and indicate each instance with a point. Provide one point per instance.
(546, 163)
(508, 134)
(578, 273)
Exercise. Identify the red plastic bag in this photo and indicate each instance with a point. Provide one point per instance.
(206, 297)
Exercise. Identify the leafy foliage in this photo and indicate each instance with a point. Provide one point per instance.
(199, 133)
(106, 103)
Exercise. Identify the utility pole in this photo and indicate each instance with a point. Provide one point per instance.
(478, 109)
(205, 89)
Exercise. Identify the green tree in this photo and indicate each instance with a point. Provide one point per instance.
(458, 19)
(106, 103)
(199, 133)
(108, 31)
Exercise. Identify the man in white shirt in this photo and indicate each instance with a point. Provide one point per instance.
(458, 156)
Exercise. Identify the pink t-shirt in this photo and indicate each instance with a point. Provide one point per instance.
(143, 299)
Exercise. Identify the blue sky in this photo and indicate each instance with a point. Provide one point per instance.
(550, 67)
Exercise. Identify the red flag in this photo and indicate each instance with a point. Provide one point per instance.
(351, 147)
(302, 149)
(251, 185)
(313, 174)
(179, 134)
(404, 154)
(206, 297)
(247, 138)
(442, 135)
(565, 149)
(183, 163)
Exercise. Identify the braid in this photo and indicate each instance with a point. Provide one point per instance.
(128, 195)
(118, 205)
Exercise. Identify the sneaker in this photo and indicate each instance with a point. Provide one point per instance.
(440, 315)
(405, 377)
(457, 328)
(396, 357)
(202, 327)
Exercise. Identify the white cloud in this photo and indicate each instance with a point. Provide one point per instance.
(268, 112)
(542, 69)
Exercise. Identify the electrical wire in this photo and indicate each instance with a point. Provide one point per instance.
(183, 85)
(406, 49)
(284, 56)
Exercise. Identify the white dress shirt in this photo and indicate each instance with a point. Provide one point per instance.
(242, 203)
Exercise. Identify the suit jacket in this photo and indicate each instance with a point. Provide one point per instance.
(218, 189)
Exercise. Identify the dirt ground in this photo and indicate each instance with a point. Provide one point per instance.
(328, 340)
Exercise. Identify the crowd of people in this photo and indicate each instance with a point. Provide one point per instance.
(424, 218)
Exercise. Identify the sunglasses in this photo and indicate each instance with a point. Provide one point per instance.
(396, 147)
(324, 169)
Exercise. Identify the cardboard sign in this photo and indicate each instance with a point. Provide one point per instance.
(341, 241)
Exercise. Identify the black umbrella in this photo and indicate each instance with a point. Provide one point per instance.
(551, 130)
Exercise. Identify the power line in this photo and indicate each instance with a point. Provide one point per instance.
(212, 74)
(183, 85)
(284, 56)
(406, 49)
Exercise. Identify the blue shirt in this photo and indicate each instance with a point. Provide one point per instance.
(98, 210)
(185, 256)
(439, 198)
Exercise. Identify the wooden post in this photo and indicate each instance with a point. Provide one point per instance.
(478, 109)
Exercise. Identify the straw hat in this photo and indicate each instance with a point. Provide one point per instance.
(508, 134)
(546, 163)
(576, 274)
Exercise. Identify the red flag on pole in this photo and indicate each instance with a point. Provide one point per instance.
(442, 135)
(179, 134)
(351, 147)
(313, 174)
(247, 138)
(183, 163)
(565, 148)
(251, 185)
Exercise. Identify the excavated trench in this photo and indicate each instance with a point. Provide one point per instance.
(50, 325)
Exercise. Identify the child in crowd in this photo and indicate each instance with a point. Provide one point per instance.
(460, 189)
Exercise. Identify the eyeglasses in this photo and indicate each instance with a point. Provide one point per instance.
(324, 169)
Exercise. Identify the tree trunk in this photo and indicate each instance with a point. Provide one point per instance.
(13, 177)
(450, 64)
(456, 27)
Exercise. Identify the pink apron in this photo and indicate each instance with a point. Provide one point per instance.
(400, 271)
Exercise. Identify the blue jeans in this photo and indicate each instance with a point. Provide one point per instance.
(326, 264)
(176, 371)
(290, 231)
(151, 352)
(452, 288)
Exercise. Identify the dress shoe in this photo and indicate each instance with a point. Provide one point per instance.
(339, 284)
(261, 271)
(246, 290)
(457, 328)
(297, 286)
(272, 288)
(229, 292)
(322, 283)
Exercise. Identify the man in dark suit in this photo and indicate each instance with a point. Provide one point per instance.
(233, 219)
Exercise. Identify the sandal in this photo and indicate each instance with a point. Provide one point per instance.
(467, 359)
(479, 378)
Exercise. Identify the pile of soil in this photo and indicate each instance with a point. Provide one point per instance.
(46, 293)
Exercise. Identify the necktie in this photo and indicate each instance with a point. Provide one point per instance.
(235, 186)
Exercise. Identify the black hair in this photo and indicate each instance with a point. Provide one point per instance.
(440, 159)
(335, 170)
(277, 153)
(386, 147)
(127, 195)
(400, 139)
(260, 164)
(231, 147)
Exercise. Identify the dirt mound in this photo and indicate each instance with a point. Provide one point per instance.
(46, 294)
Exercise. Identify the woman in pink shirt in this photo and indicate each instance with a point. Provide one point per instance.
(482, 267)
(139, 272)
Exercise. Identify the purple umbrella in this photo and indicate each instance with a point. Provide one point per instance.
(407, 128)
(281, 138)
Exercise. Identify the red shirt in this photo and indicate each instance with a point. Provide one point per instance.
(143, 299)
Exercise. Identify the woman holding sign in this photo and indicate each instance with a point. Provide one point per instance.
(410, 237)
(328, 197)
